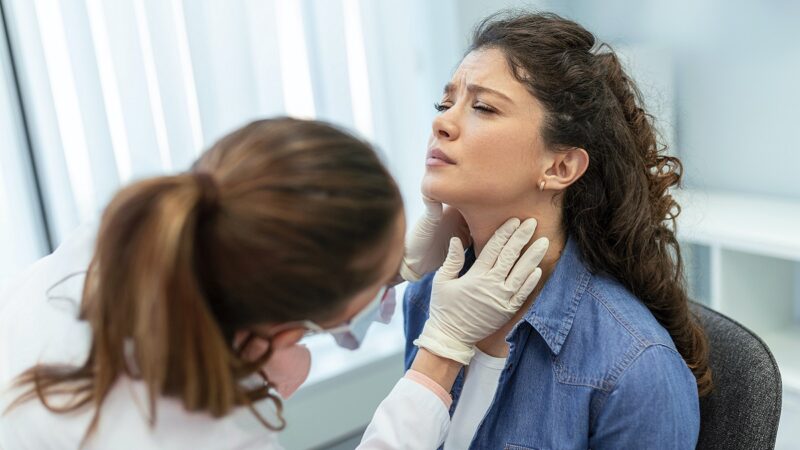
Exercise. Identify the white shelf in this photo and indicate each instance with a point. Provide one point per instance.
(762, 225)
(753, 253)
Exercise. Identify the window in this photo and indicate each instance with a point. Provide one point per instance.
(118, 91)
(22, 237)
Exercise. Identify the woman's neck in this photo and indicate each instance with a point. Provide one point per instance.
(484, 221)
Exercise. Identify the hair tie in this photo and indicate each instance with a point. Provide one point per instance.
(209, 192)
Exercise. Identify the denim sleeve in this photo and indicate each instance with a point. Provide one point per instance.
(653, 406)
(415, 312)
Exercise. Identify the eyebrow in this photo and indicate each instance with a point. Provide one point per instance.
(476, 89)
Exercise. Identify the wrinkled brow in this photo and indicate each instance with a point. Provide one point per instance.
(476, 89)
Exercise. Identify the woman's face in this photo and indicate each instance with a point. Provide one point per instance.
(485, 147)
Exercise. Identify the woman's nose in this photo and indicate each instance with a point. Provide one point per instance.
(444, 127)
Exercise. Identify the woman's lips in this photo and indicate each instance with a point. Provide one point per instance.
(436, 157)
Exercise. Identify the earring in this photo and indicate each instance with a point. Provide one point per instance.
(541, 185)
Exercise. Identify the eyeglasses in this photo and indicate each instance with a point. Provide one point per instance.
(350, 334)
(363, 317)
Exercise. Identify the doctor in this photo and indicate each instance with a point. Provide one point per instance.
(176, 323)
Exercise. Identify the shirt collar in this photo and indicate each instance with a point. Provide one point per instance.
(553, 311)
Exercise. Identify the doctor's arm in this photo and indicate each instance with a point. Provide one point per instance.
(415, 415)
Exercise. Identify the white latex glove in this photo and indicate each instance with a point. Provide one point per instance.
(465, 310)
(426, 246)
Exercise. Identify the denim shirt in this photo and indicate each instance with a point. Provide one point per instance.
(588, 367)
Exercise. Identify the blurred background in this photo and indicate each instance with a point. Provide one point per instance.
(96, 93)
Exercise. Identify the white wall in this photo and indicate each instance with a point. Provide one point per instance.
(736, 67)
(470, 12)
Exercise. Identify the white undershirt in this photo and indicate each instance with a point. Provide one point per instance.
(480, 384)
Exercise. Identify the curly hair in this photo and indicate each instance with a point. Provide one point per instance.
(620, 212)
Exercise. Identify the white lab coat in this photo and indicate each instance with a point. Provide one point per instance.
(38, 323)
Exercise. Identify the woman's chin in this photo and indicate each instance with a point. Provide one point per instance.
(434, 189)
(447, 191)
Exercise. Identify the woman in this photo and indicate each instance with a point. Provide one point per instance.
(541, 121)
(200, 282)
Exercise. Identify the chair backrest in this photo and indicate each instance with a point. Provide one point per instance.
(744, 409)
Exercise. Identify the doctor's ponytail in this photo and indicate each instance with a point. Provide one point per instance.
(271, 225)
(160, 317)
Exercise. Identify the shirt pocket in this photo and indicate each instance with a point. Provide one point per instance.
(521, 447)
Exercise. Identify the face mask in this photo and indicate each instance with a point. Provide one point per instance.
(288, 368)
(388, 305)
(351, 334)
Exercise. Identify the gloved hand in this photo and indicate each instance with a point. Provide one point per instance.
(465, 310)
(426, 246)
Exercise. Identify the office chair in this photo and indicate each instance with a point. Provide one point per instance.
(743, 410)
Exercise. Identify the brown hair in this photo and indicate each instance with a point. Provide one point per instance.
(620, 212)
(269, 226)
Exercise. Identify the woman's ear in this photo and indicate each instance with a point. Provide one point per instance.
(566, 167)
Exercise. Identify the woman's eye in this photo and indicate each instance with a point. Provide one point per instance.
(480, 107)
(483, 108)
